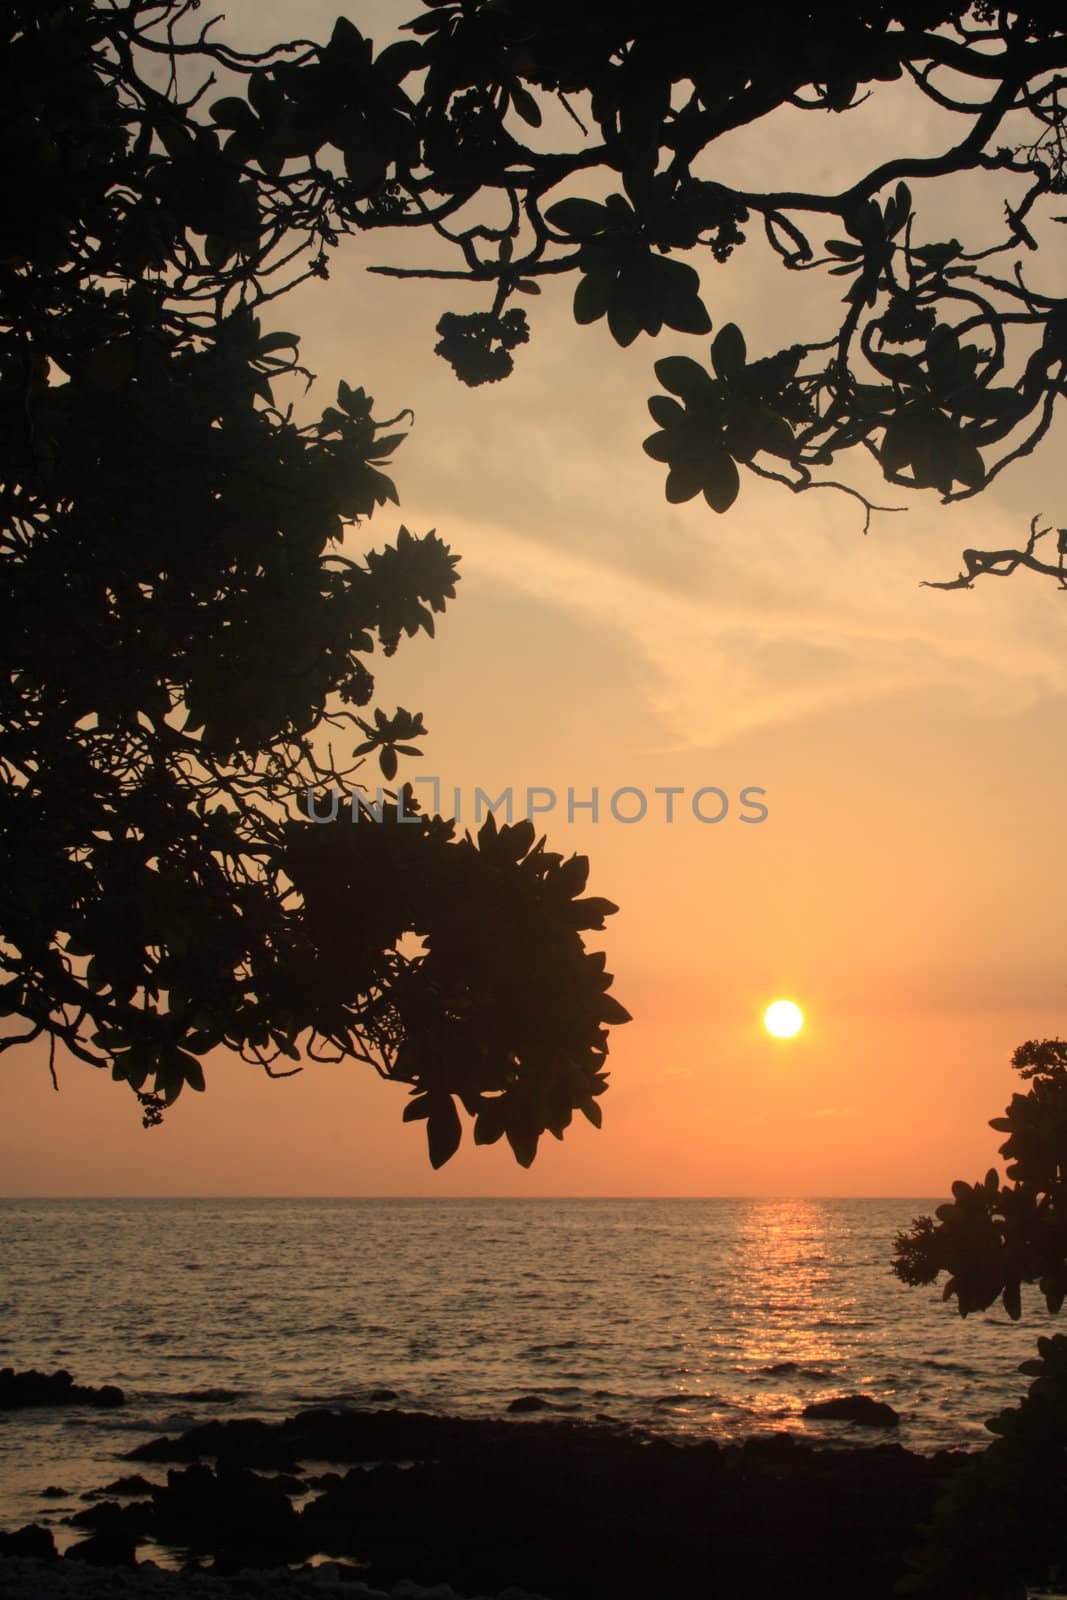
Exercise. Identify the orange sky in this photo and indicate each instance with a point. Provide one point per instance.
(902, 888)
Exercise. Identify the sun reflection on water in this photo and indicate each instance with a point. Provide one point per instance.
(789, 1322)
(782, 1268)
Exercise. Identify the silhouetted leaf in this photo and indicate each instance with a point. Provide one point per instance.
(192, 1070)
(684, 377)
(443, 1131)
(721, 482)
(684, 481)
(968, 466)
(592, 911)
(582, 219)
(277, 341)
(525, 105)
(232, 112)
(592, 297)
(728, 352)
(666, 412)
(491, 1121)
(399, 59)
(624, 318)
(523, 1142)
(687, 314)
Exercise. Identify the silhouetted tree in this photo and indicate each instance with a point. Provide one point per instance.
(943, 361)
(186, 640)
(1002, 1520)
(183, 630)
(993, 1237)
(998, 1529)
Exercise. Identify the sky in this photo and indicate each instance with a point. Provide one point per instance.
(901, 888)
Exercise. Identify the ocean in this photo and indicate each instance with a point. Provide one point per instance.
(689, 1317)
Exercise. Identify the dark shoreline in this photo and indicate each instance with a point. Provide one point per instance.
(571, 1510)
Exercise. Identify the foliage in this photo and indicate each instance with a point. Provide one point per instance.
(999, 1524)
(992, 1237)
(1002, 1518)
(187, 633)
(943, 361)
(186, 636)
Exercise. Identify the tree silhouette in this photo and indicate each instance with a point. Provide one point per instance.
(993, 1237)
(1001, 1521)
(186, 642)
(942, 361)
(186, 637)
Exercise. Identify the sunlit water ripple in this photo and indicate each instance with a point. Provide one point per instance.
(696, 1317)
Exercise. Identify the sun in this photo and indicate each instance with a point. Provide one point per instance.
(783, 1018)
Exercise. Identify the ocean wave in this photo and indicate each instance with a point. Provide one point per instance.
(794, 1369)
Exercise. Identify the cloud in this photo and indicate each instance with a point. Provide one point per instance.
(777, 641)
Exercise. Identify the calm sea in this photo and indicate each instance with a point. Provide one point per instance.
(720, 1317)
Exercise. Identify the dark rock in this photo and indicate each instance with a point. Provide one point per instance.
(529, 1402)
(770, 1447)
(111, 1547)
(100, 1515)
(324, 1480)
(32, 1388)
(233, 1514)
(246, 1442)
(132, 1484)
(322, 1434)
(288, 1484)
(859, 1408)
(340, 1572)
(32, 1540)
(54, 1492)
(490, 1503)
(376, 1396)
(107, 1516)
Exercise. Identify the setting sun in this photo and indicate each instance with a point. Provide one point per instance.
(783, 1019)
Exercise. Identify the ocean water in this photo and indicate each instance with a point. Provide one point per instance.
(692, 1317)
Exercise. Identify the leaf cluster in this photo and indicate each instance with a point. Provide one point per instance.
(998, 1525)
(437, 131)
(189, 625)
(993, 1237)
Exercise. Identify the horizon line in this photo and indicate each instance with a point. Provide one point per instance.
(4, 1199)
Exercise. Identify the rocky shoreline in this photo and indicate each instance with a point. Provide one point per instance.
(19, 1390)
(24, 1578)
(566, 1509)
